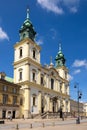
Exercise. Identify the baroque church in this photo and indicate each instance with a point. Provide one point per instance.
(43, 88)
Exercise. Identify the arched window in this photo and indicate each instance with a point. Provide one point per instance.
(34, 75)
(20, 52)
(52, 83)
(34, 53)
(42, 79)
(20, 74)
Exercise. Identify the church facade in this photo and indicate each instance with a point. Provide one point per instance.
(43, 88)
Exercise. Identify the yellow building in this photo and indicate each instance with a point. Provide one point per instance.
(43, 88)
(9, 97)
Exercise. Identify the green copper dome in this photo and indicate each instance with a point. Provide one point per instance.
(27, 29)
(60, 59)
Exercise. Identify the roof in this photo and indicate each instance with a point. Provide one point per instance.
(9, 79)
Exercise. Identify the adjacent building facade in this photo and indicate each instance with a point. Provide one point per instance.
(43, 88)
(74, 108)
(9, 98)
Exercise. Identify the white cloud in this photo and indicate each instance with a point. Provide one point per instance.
(80, 63)
(70, 77)
(39, 41)
(3, 35)
(77, 71)
(71, 2)
(51, 5)
(72, 5)
(73, 9)
(58, 6)
(53, 33)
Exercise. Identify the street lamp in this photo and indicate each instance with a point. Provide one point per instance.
(79, 95)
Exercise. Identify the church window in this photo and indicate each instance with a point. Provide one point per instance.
(33, 76)
(65, 75)
(34, 101)
(20, 74)
(23, 35)
(52, 83)
(34, 54)
(42, 79)
(20, 52)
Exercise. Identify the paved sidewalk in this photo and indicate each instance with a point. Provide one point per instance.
(44, 124)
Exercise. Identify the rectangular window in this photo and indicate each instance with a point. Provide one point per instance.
(33, 76)
(20, 75)
(42, 83)
(20, 52)
(34, 101)
(34, 54)
(5, 98)
(5, 88)
(14, 100)
(65, 75)
(52, 83)
(14, 90)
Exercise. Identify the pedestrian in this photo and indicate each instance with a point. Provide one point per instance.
(10, 117)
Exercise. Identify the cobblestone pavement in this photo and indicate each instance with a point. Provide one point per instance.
(44, 124)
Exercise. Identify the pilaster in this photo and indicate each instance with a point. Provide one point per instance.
(27, 72)
(27, 102)
(39, 101)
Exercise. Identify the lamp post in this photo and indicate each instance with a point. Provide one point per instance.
(79, 95)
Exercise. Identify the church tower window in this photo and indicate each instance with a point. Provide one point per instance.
(34, 100)
(20, 74)
(34, 54)
(52, 83)
(20, 52)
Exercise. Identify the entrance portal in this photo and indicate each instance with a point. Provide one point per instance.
(3, 114)
(13, 115)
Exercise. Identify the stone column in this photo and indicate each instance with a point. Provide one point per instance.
(58, 101)
(51, 106)
(39, 102)
(64, 106)
(45, 102)
(39, 76)
(27, 102)
(48, 102)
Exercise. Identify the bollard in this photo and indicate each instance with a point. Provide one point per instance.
(43, 125)
(53, 123)
(30, 125)
(17, 128)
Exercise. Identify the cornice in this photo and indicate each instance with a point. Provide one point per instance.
(28, 41)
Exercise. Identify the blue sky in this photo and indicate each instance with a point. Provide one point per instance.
(54, 21)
